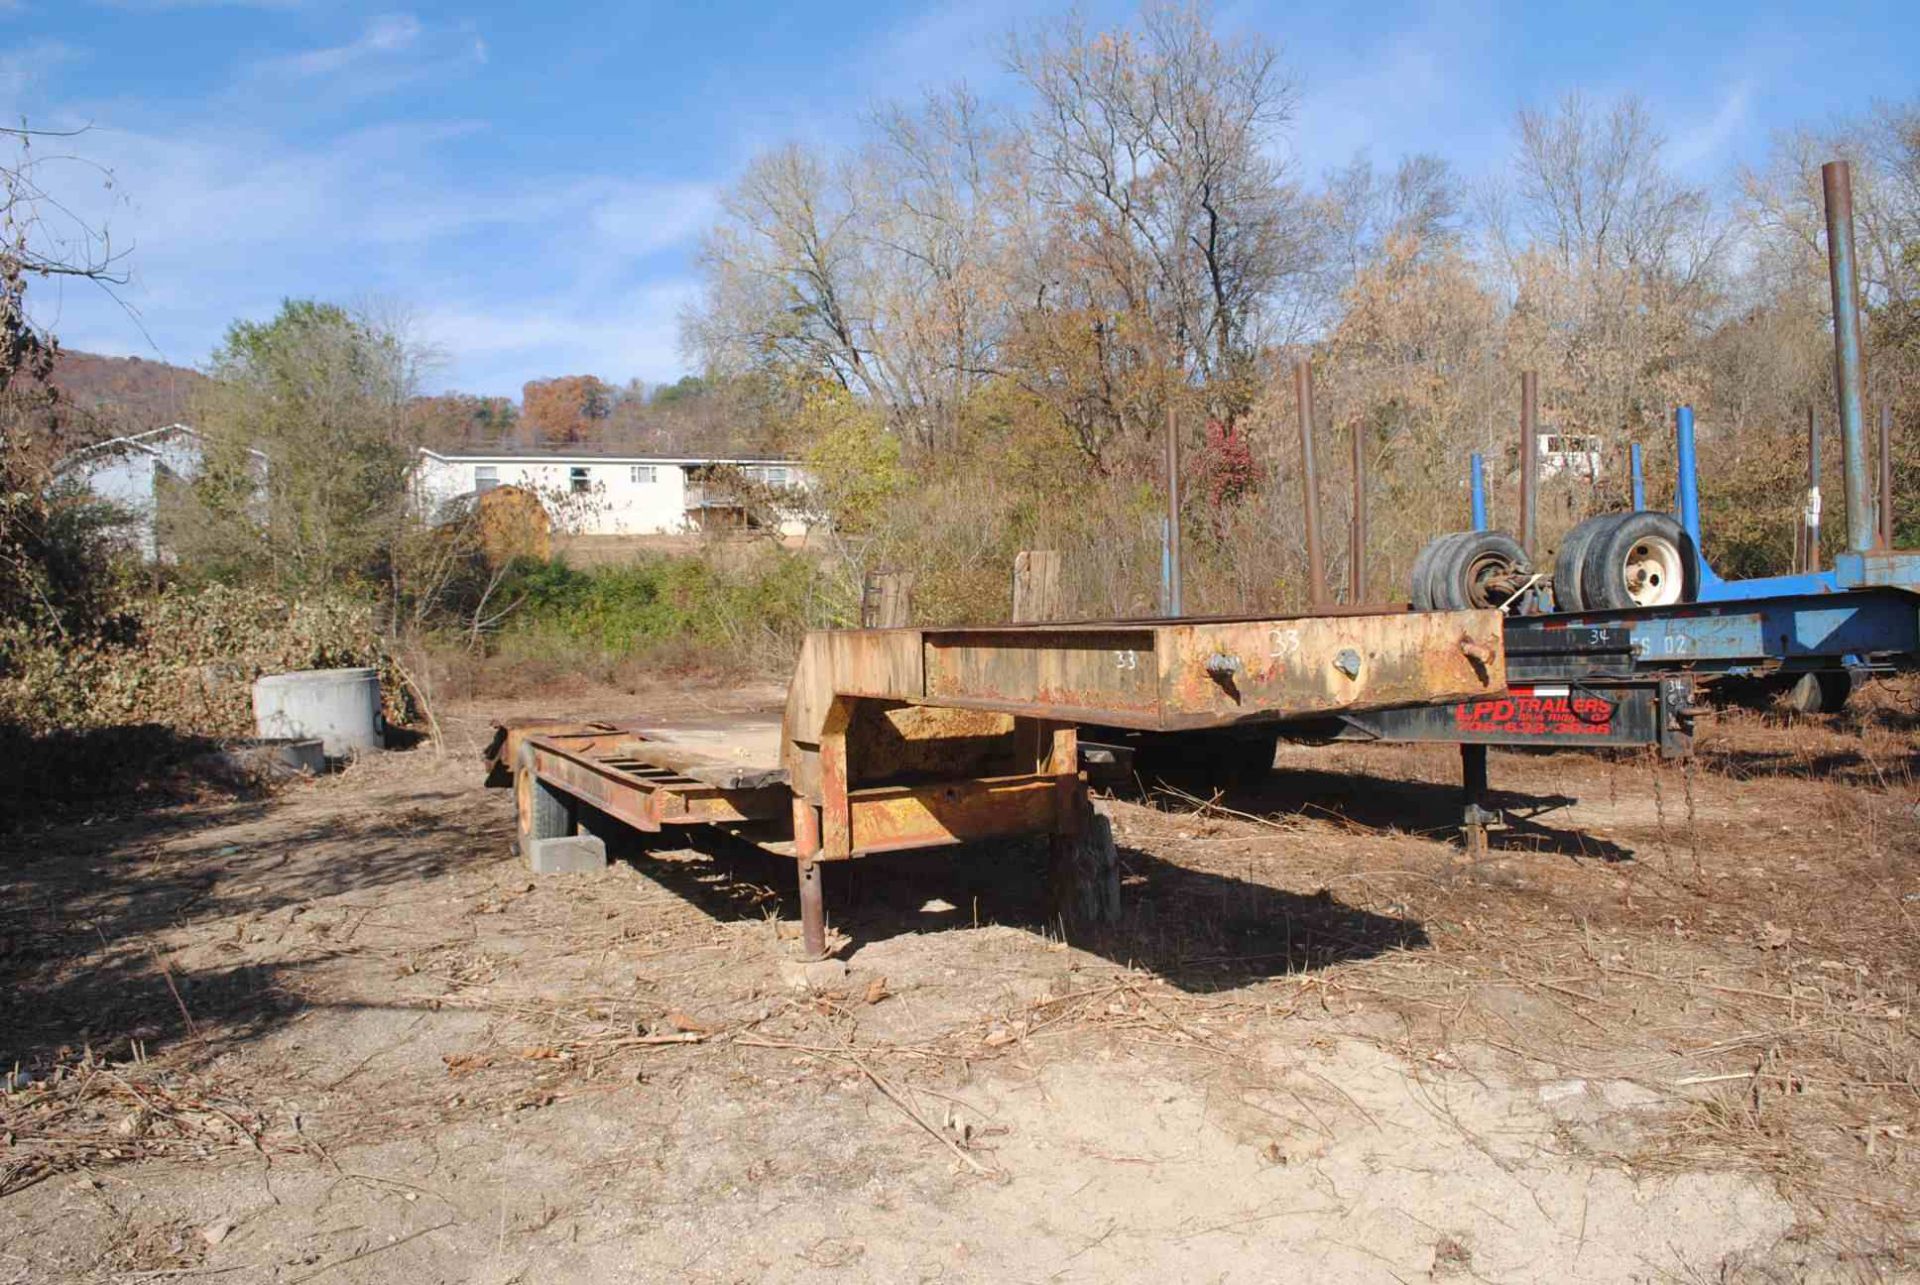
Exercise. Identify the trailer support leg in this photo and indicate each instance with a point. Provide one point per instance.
(813, 902)
(813, 912)
(1474, 815)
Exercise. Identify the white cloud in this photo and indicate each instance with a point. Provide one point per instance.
(225, 222)
(383, 36)
(1414, 88)
(25, 68)
(1703, 143)
(641, 218)
(494, 347)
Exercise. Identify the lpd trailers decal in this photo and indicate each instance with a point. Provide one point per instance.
(1536, 711)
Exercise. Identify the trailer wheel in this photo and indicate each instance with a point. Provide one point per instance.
(1476, 571)
(1426, 567)
(1418, 592)
(1567, 562)
(1823, 691)
(1640, 559)
(544, 812)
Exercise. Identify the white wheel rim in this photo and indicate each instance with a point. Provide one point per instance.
(1653, 572)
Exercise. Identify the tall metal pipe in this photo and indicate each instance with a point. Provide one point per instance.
(1357, 563)
(1172, 539)
(1639, 478)
(1886, 477)
(1849, 359)
(1303, 397)
(1529, 454)
(1477, 487)
(1689, 476)
(1810, 517)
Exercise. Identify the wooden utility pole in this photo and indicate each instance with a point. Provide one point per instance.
(1036, 585)
(886, 600)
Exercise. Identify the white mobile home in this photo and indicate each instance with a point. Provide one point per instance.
(602, 491)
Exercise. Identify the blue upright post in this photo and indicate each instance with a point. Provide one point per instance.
(1689, 481)
(1477, 483)
(1167, 606)
(1639, 480)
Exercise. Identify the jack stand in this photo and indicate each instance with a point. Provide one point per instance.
(1475, 817)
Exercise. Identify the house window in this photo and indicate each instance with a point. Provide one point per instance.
(578, 479)
(776, 477)
(643, 474)
(486, 477)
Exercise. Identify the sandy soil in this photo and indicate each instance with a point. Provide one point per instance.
(1664, 1033)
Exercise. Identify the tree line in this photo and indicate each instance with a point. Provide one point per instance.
(1019, 296)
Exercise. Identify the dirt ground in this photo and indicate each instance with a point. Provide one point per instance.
(1665, 1032)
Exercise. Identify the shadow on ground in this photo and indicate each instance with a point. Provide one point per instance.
(1199, 930)
(83, 908)
(1418, 807)
(1845, 767)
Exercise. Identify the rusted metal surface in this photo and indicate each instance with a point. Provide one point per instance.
(590, 768)
(504, 745)
(1849, 352)
(892, 818)
(1529, 457)
(1310, 485)
(1175, 593)
(1151, 675)
(1357, 559)
(813, 911)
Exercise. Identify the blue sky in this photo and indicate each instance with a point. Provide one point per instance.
(528, 182)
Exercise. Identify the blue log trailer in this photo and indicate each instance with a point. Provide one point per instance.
(1637, 616)
(1608, 647)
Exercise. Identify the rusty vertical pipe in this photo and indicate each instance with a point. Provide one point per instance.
(1886, 477)
(1303, 397)
(1529, 455)
(1357, 562)
(1175, 605)
(1849, 358)
(1810, 519)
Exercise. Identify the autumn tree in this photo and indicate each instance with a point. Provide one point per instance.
(568, 408)
(452, 420)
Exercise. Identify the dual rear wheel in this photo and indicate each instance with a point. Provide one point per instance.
(1610, 562)
(1621, 560)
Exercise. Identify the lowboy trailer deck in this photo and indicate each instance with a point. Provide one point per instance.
(898, 739)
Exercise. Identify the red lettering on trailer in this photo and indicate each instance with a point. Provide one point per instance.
(1528, 715)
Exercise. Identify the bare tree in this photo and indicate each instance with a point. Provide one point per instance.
(1154, 156)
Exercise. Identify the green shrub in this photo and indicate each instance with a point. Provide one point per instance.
(752, 612)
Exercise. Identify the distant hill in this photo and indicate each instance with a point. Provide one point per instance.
(112, 396)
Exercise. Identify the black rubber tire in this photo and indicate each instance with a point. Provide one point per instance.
(1822, 691)
(1603, 585)
(544, 812)
(1426, 580)
(1571, 558)
(1458, 572)
(1419, 594)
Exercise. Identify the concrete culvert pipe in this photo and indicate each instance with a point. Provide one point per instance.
(340, 706)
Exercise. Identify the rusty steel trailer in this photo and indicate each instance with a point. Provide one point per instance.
(899, 739)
